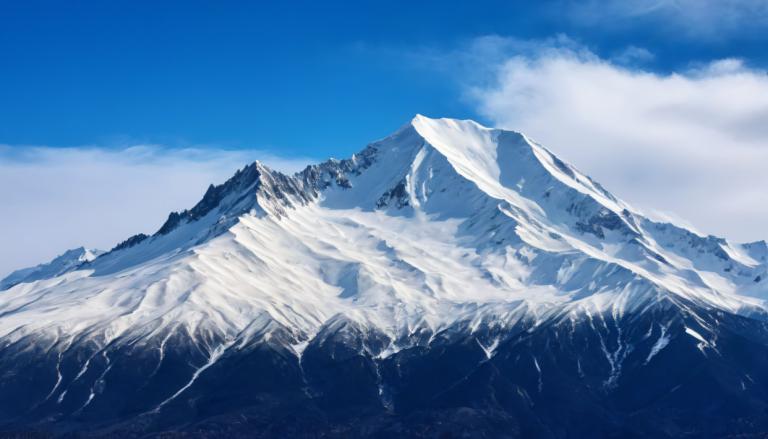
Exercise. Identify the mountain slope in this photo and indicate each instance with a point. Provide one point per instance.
(67, 261)
(447, 269)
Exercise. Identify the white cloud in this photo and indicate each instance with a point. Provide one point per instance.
(693, 144)
(54, 199)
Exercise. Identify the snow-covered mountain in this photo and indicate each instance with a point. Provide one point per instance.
(448, 278)
(67, 261)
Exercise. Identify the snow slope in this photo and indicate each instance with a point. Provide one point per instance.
(445, 222)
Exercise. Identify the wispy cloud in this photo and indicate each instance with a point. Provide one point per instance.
(712, 19)
(692, 143)
(59, 198)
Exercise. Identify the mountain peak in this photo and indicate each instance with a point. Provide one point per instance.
(422, 167)
(447, 264)
(422, 120)
(503, 189)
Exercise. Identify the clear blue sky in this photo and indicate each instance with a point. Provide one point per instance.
(310, 78)
(114, 113)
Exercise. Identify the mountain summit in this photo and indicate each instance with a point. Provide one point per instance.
(450, 278)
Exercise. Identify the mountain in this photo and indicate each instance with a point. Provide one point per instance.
(450, 280)
(68, 261)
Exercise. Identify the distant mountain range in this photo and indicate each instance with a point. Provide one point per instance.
(450, 280)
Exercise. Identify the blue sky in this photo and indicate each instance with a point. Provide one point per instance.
(304, 78)
(154, 100)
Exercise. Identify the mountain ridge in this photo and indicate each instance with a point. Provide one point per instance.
(553, 207)
(67, 261)
(447, 246)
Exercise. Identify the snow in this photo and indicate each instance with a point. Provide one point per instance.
(478, 225)
(99, 383)
(703, 343)
(695, 335)
(490, 350)
(538, 371)
(60, 265)
(212, 359)
(660, 344)
(58, 379)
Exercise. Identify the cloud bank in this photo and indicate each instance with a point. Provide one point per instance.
(59, 198)
(692, 144)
